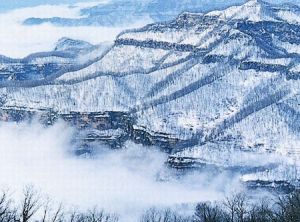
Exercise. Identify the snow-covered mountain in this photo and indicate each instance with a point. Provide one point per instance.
(68, 53)
(222, 88)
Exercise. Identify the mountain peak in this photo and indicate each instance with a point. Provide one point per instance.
(252, 10)
(66, 44)
(254, 2)
(257, 3)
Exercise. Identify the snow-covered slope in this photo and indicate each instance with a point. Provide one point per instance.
(226, 81)
(66, 44)
(258, 10)
(67, 53)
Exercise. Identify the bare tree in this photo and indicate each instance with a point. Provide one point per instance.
(94, 215)
(51, 214)
(289, 208)
(4, 206)
(236, 207)
(165, 215)
(241, 207)
(73, 216)
(7, 212)
(205, 212)
(100, 216)
(261, 212)
(30, 204)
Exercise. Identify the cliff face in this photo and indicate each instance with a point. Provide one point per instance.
(218, 89)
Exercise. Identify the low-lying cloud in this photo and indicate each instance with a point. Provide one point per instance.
(123, 181)
(18, 40)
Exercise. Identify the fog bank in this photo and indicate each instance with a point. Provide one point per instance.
(124, 181)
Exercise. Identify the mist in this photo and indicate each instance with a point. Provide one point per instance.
(18, 40)
(126, 181)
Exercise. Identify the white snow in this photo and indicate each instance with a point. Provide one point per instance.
(253, 10)
(123, 80)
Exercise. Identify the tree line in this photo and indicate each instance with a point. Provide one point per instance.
(32, 207)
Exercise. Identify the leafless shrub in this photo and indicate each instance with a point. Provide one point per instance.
(94, 215)
(165, 215)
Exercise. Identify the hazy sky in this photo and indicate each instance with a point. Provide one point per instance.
(11, 4)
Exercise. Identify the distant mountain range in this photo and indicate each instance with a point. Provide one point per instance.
(120, 12)
(67, 53)
(222, 88)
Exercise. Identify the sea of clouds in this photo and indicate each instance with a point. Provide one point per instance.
(126, 181)
(18, 40)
